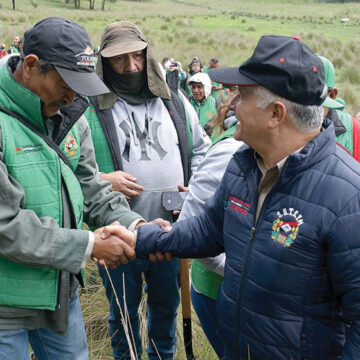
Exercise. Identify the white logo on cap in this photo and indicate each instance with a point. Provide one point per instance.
(86, 58)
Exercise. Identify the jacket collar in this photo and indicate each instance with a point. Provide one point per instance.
(19, 99)
(320, 147)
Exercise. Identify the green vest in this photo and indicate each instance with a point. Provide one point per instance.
(346, 138)
(101, 146)
(205, 281)
(205, 110)
(40, 172)
(14, 49)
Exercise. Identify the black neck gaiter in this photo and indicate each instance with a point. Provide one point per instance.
(132, 87)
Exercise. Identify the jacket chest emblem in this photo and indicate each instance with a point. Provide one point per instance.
(238, 205)
(23, 150)
(70, 146)
(286, 227)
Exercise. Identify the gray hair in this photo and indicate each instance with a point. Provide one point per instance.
(306, 118)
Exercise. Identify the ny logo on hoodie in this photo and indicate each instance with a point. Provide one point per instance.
(142, 138)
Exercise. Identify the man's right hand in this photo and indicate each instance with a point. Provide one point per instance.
(109, 248)
(124, 183)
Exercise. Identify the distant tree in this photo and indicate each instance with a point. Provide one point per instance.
(13, 4)
(103, 5)
(77, 4)
(92, 4)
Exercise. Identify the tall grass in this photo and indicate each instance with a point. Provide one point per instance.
(95, 310)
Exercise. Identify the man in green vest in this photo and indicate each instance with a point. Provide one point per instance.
(347, 128)
(49, 185)
(201, 99)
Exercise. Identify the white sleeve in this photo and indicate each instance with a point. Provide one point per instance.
(88, 250)
(203, 185)
(215, 264)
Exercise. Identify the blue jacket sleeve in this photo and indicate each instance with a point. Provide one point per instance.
(195, 237)
(344, 271)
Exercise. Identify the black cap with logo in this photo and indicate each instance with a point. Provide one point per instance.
(66, 45)
(283, 65)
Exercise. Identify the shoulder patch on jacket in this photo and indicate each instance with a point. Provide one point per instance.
(70, 146)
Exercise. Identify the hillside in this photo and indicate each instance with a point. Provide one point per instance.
(228, 29)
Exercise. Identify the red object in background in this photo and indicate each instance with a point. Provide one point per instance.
(356, 139)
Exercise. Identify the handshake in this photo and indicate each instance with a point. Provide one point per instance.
(115, 245)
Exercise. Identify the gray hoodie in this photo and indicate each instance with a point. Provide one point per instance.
(204, 183)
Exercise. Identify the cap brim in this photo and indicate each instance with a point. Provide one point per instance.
(230, 76)
(83, 83)
(332, 104)
(123, 48)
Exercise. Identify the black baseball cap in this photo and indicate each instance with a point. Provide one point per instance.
(66, 45)
(283, 65)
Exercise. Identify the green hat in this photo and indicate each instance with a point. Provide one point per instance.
(329, 71)
(332, 104)
(341, 101)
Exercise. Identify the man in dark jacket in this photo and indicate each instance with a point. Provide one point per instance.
(286, 214)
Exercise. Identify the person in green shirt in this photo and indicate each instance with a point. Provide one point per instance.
(347, 128)
(203, 103)
(15, 48)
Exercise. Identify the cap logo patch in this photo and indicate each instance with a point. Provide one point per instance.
(87, 51)
(282, 60)
(314, 69)
(86, 58)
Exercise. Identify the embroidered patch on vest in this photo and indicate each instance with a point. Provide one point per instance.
(209, 114)
(28, 149)
(238, 205)
(286, 227)
(70, 146)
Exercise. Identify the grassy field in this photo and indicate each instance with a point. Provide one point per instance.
(228, 29)
(95, 313)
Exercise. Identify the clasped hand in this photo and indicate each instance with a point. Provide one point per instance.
(114, 245)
